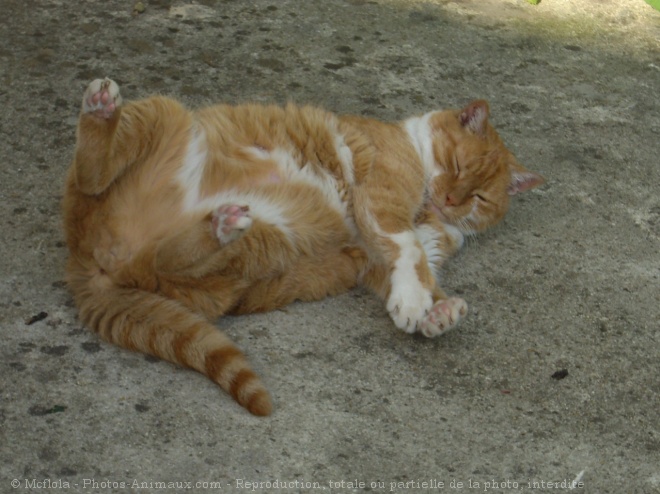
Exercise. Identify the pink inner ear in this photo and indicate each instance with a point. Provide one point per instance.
(522, 181)
(474, 117)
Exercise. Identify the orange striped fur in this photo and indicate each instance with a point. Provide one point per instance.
(175, 217)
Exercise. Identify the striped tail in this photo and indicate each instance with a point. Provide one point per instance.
(158, 326)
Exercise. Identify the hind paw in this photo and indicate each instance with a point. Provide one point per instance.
(101, 98)
(230, 221)
(443, 316)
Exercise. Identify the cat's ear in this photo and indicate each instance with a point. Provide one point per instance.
(474, 117)
(522, 179)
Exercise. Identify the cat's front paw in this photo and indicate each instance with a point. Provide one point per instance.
(443, 316)
(408, 311)
(101, 98)
(230, 221)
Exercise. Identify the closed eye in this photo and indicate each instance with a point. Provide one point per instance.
(457, 169)
(480, 197)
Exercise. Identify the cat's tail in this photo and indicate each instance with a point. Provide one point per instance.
(149, 323)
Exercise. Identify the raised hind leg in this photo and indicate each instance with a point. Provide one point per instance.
(112, 136)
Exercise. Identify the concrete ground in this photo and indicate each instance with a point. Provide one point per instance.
(555, 374)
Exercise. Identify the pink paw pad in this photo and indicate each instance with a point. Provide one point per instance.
(443, 316)
(101, 98)
(230, 221)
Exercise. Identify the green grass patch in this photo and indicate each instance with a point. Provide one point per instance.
(654, 3)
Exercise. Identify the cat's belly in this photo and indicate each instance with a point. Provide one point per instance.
(300, 199)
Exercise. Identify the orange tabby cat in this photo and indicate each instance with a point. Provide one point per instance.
(175, 217)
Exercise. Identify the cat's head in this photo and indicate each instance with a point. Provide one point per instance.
(475, 173)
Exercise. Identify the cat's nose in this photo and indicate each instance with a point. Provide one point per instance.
(451, 200)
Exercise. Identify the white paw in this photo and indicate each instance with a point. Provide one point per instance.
(443, 316)
(102, 98)
(230, 221)
(408, 308)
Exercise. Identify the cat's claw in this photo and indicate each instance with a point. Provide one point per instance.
(406, 313)
(230, 221)
(443, 316)
(101, 98)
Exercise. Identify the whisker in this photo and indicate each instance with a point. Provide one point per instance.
(469, 234)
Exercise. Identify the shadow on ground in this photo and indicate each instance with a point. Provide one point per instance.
(554, 372)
